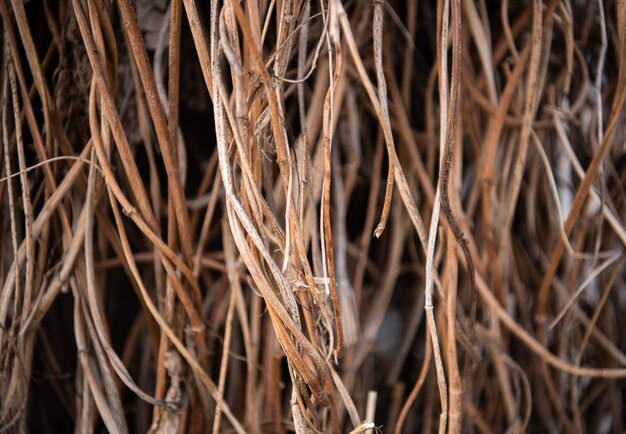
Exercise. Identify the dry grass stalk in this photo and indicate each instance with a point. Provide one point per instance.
(200, 230)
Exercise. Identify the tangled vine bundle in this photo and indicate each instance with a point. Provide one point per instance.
(332, 216)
